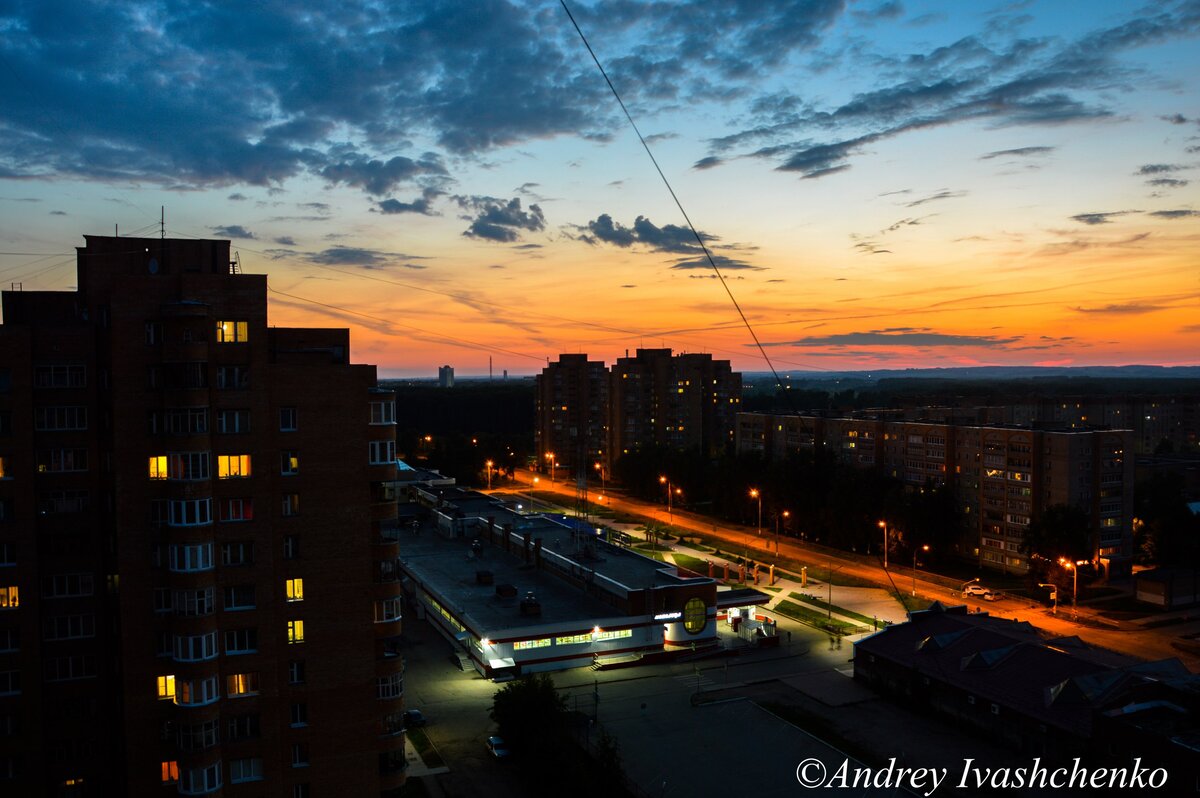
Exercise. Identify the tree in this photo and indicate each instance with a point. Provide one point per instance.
(529, 712)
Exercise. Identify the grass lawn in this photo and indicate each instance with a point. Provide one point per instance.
(692, 563)
(425, 748)
(816, 619)
(651, 547)
(825, 605)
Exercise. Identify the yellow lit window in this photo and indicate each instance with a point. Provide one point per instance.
(3, 468)
(9, 598)
(170, 772)
(233, 466)
(233, 332)
(158, 467)
(295, 590)
(295, 631)
(239, 684)
(166, 686)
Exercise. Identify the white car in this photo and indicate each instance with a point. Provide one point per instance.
(498, 747)
(975, 590)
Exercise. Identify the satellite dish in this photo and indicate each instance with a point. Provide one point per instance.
(153, 266)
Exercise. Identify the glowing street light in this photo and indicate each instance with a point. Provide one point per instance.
(1073, 567)
(755, 493)
(671, 490)
(785, 515)
(923, 548)
(553, 464)
(489, 465)
(883, 526)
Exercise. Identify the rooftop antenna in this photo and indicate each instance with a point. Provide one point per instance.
(162, 222)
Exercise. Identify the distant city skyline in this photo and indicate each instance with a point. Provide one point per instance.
(885, 185)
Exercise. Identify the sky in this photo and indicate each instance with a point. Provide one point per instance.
(881, 184)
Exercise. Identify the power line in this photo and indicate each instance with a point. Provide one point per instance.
(678, 204)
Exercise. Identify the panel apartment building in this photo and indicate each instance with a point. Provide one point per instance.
(1003, 475)
(571, 412)
(198, 581)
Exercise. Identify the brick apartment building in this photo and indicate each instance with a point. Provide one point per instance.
(1003, 476)
(198, 581)
(571, 406)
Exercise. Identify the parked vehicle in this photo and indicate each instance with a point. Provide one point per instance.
(414, 719)
(498, 747)
(975, 590)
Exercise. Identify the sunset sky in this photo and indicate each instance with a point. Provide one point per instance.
(883, 184)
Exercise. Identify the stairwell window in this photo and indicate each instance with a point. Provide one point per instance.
(233, 332)
(289, 463)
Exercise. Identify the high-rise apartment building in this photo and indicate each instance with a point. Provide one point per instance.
(445, 376)
(1003, 475)
(682, 402)
(198, 550)
(572, 403)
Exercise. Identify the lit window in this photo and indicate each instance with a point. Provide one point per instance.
(233, 466)
(166, 686)
(295, 631)
(158, 467)
(170, 772)
(9, 597)
(233, 332)
(291, 504)
(295, 590)
(241, 684)
(289, 463)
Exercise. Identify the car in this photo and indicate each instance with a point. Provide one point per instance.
(975, 590)
(989, 595)
(414, 719)
(498, 747)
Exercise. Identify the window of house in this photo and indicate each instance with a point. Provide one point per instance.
(166, 686)
(65, 376)
(289, 463)
(233, 422)
(8, 553)
(190, 557)
(5, 467)
(287, 419)
(67, 585)
(66, 627)
(296, 671)
(187, 466)
(154, 334)
(198, 736)
(163, 645)
(381, 452)
(61, 460)
(60, 418)
(234, 510)
(70, 668)
(241, 770)
(387, 610)
(241, 684)
(196, 648)
(10, 597)
(233, 332)
(197, 781)
(162, 600)
(10, 682)
(189, 512)
(291, 547)
(237, 552)
(233, 378)
(241, 641)
(391, 686)
(291, 504)
(233, 466)
(243, 727)
(57, 502)
(383, 412)
(299, 755)
(239, 597)
(9, 640)
(294, 589)
(295, 631)
(299, 714)
(170, 772)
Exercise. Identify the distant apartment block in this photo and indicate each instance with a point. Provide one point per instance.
(1003, 476)
(446, 376)
(571, 403)
(199, 591)
(682, 402)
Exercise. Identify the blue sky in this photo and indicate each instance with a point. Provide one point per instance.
(884, 184)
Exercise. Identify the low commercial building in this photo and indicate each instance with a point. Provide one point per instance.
(520, 593)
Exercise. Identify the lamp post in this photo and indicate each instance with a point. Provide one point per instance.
(553, 464)
(489, 465)
(603, 486)
(923, 548)
(755, 493)
(1073, 567)
(883, 526)
(1053, 597)
(671, 489)
(532, 485)
(785, 515)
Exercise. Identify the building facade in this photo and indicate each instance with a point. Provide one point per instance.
(1003, 476)
(571, 412)
(198, 581)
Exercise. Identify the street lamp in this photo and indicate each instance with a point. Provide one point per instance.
(1053, 597)
(923, 548)
(489, 465)
(883, 526)
(603, 486)
(755, 493)
(1073, 567)
(553, 464)
(671, 490)
(785, 515)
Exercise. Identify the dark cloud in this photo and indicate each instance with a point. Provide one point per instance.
(1181, 213)
(1175, 119)
(500, 220)
(941, 195)
(1167, 182)
(356, 256)
(237, 197)
(1019, 152)
(58, 213)
(286, 241)
(901, 336)
(1099, 218)
(422, 204)
(233, 231)
(1159, 168)
(1129, 309)
(707, 162)
(380, 177)
(890, 9)
(723, 263)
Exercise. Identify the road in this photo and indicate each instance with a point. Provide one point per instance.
(1138, 642)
